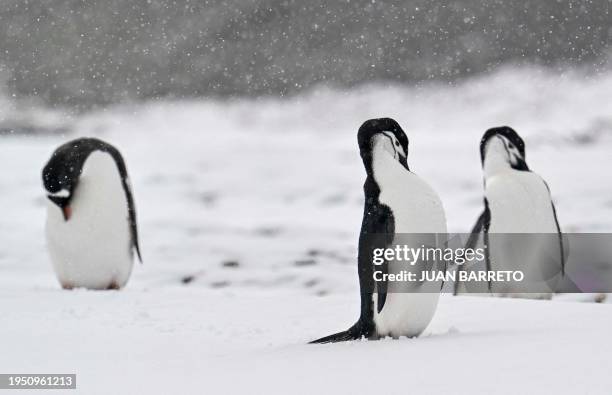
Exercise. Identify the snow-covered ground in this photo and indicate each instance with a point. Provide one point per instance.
(249, 214)
(196, 340)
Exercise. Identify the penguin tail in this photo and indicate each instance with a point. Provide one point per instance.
(353, 333)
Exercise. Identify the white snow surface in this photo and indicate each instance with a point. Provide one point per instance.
(260, 203)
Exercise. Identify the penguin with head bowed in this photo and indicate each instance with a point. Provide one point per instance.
(91, 218)
(399, 208)
(518, 225)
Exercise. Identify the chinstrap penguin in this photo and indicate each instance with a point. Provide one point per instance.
(91, 218)
(518, 225)
(399, 208)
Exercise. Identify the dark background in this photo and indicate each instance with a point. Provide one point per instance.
(82, 53)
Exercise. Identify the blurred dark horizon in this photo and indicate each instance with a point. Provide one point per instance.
(81, 53)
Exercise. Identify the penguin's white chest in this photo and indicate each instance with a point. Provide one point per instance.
(93, 249)
(418, 210)
(416, 207)
(519, 202)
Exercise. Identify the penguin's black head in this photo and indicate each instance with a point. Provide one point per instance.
(386, 132)
(61, 174)
(504, 141)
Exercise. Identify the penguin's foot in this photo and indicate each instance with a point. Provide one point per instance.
(113, 286)
(600, 298)
(67, 286)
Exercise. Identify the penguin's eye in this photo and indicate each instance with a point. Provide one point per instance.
(396, 143)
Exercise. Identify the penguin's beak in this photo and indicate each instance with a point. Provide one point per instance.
(64, 204)
(404, 161)
(67, 211)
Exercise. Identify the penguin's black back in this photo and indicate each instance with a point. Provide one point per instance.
(377, 231)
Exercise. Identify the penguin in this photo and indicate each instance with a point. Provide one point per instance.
(516, 201)
(399, 208)
(91, 225)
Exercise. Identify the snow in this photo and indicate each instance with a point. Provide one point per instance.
(249, 213)
(187, 340)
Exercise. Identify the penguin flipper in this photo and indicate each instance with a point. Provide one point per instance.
(480, 227)
(127, 188)
(382, 287)
(482, 224)
(353, 333)
(563, 242)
